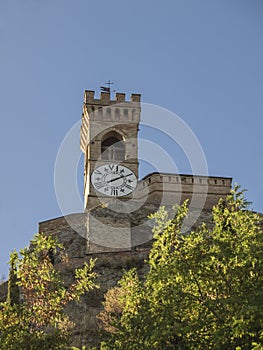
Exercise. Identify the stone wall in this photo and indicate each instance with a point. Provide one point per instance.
(109, 267)
(168, 189)
(71, 231)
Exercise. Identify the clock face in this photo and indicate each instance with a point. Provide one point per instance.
(113, 180)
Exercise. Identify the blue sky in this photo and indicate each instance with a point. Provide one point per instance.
(200, 59)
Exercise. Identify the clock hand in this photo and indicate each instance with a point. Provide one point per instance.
(117, 178)
(128, 175)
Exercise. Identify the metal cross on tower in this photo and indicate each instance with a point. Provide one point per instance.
(107, 88)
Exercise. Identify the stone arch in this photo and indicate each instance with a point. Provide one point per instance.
(133, 115)
(113, 146)
(126, 114)
(108, 112)
(117, 114)
(100, 112)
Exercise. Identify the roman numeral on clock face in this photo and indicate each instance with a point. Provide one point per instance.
(129, 187)
(114, 192)
(98, 185)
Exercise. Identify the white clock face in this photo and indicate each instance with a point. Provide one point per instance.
(113, 180)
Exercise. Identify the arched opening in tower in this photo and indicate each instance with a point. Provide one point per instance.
(113, 147)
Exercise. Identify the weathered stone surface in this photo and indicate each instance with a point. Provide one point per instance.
(110, 268)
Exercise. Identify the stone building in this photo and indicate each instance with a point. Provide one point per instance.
(114, 226)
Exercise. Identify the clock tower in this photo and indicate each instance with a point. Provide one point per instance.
(116, 204)
(109, 141)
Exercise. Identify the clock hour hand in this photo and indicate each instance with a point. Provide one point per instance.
(117, 178)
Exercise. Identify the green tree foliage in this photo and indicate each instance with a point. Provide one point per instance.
(34, 317)
(13, 288)
(203, 289)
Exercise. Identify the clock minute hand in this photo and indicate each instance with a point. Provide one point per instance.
(117, 178)
(128, 175)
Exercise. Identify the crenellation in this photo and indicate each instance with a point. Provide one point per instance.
(89, 96)
(105, 96)
(120, 97)
(135, 97)
(188, 178)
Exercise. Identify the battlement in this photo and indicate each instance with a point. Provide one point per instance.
(105, 98)
(187, 179)
(175, 188)
(104, 114)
